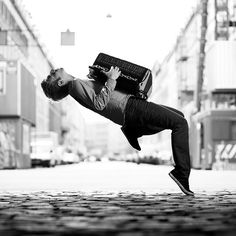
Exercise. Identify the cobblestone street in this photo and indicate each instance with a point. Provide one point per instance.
(26, 210)
(69, 213)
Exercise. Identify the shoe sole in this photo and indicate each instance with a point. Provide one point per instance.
(181, 186)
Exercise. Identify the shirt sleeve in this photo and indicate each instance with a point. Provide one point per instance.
(85, 94)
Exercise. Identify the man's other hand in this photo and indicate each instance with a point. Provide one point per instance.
(113, 73)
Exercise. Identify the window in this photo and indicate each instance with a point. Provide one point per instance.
(233, 130)
(2, 81)
(3, 37)
(26, 139)
(1, 8)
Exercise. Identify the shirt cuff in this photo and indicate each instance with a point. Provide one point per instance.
(111, 84)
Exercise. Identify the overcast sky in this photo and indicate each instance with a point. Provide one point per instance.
(141, 31)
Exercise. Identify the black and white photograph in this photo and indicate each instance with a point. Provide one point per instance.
(118, 117)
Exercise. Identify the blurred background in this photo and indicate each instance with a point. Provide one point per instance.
(190, 46)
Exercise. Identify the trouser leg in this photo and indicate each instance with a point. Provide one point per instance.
(173, 109)
(166, 118)
(154, 115)
(150, 129)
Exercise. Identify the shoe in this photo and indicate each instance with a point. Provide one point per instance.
(181, 182)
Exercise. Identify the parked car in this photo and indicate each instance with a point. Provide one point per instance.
(43, 149)
(70, 158)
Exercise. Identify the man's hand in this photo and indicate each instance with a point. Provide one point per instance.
(113, 73)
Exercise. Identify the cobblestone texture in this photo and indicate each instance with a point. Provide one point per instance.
(120, 213)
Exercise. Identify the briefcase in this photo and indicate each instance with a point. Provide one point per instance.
(134, 79)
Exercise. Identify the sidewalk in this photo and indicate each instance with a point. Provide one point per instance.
(99, 211)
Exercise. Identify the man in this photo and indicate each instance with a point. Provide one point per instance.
(136, 116)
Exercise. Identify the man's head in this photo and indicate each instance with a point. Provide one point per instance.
(56, 85)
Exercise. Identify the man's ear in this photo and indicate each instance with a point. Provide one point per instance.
(61, 82)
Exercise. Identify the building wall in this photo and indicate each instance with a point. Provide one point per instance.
(26, 65)
(219, 88)
(31, 56)
(106, 138)
(28, 95)
(232, 15)
(55, 119)
(97, 138)
(165, 92)
(10, 97)
(117, 142)
(73, 126)
(220, 65)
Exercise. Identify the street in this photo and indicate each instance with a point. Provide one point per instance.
(115, 198)
(104, 96)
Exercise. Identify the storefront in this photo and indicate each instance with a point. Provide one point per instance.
(213, 139)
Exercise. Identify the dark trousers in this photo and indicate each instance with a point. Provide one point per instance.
(147, 118)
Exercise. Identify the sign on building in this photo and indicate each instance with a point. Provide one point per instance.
(68, 38)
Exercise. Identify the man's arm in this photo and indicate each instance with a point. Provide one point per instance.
(83, 93)
(102, 98)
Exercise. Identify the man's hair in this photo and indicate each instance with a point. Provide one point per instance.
(52, 90)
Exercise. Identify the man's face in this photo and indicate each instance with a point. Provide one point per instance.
(58, 75)
(55, 74)
(52, 76)
(61, 76)
(55, 80)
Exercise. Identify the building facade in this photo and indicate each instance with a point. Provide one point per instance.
(23, 107)
(73, 127)
(97, 138)
(106, 138)
(202, 63)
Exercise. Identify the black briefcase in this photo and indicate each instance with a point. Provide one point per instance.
(134, 79)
